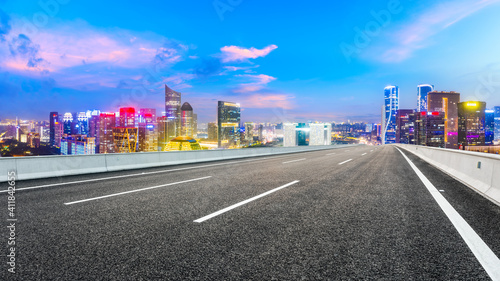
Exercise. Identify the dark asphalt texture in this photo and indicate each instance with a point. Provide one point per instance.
(368, 219)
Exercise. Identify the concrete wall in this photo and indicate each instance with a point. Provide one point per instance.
(37, 167)
(463, 165)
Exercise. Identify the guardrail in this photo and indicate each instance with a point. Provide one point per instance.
(479, 171)
(36, 167)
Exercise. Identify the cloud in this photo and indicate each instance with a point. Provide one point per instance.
(257, 82)
(235, 53)
(22, 47)
(4, 25)
(268, 100)
(417, 34)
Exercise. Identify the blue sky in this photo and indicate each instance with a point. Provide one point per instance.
(283, 61)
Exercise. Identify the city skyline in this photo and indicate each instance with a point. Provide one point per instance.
(78, 61)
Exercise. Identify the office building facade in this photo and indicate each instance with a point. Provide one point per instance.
(447, 103)
(422, 91)
(228, 124)
(391, 96)
(471, 123)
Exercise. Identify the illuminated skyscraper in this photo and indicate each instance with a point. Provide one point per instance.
(391, 95)
(186, 120)
(94, 130)
(68, 121)
(422, 91)
(148, 133)
(173, 107)
(147, 115)
(228, 124)
(447, 103)
(127, 117)
(125, 139)
(497, 123)
(56, 129)
(471, 119)
(166, 131)
(107, 121)
(249, 126)
(405, 126)
(489, 127)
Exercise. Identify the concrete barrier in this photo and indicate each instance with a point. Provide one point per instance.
(479, 171)
(36, 167)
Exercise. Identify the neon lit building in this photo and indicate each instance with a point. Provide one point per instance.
(125, 139)
(186, 120)
(107, 121)
(471, 121)
(489, 127)
(497, 123)
(391, 95)
(405, 126)
(422, 91)
(56, 129)
(68, 123)
(447, 103)
(127, 117)
(77, 145)
(228, 124)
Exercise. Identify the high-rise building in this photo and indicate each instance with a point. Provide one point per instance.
(447, 103)
(290, 134)
(56, 129)
(249, 126)
(77, 145)
(497, 123)
(127, 117)
(422, 91)
(186, 120)
(68, 123)
(228, 124)
(212, 131)
(33, 140)
(431, 129)
(166, 131)
(107, 121)
(391, 95)
(320, 134)
(173, 107)
(125, 139)
(489, 127)
(302, 134)
(471, 121)
(147, 115)
(94, 122)
(405, 126)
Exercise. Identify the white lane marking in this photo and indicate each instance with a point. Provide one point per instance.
(363, 154)
(345, 162)
(483, 253)
(243, 202)
(296, 160)
(147, 173)
(371, 150)
(330, 154)
(136, 190)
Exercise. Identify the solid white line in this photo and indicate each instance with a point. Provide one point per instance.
(345, 162)
(330, 153)
(483, 253)
(363, 154)
(243, 202)
(146, 173)
(136, 190)
(302, 159)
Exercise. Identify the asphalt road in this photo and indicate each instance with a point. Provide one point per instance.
(358, 213)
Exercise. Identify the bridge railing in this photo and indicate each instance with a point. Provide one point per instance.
(36, 167)
(479, 171)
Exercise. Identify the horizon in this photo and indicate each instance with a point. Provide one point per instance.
(331, 65)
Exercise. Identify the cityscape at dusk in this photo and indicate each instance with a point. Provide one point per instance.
(250, 140)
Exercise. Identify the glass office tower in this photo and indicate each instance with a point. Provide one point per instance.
(173, 108)
(471, 120)
(228, 124)
(447, 103)
(422, 91)
(391, 95)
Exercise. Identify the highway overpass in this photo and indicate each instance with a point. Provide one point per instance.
(357, 212)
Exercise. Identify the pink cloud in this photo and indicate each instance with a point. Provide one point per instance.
(235, 53)
(268, 101)
(258, 82)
